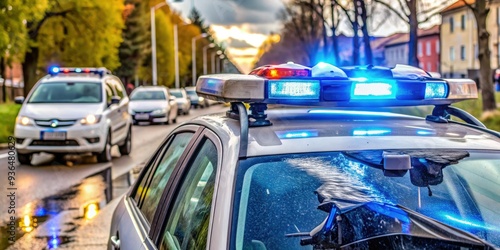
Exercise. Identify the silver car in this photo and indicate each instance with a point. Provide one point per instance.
(183, 101)
(153, 104)
(320, 178)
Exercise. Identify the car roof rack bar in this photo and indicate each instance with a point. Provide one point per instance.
(239, 112)
(442, 113)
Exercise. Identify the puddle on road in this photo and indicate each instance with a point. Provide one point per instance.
(84, 200)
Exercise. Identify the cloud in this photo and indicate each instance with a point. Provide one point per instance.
(238, 44)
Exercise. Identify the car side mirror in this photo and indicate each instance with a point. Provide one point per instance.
(19, 99)
(172, 98)
(115, 100)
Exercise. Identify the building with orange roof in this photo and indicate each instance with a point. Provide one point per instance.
(396, 50)
(459, 49)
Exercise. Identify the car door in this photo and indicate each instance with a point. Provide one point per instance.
(112, 109)
(185, 220)
(134, 227)
(122, 119)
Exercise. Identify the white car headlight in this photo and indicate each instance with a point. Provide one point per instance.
(25, 121)
(90, 119)
(200, 99)
(159, 112)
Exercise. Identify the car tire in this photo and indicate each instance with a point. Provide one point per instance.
(126, 148)
(105, 154)
(24, 159)
(59, 158)
(186, 112)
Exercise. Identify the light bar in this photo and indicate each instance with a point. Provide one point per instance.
(334, 90)
(294, 89)
(59, 70)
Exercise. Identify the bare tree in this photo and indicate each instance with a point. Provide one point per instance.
(408, 11)
(481, 10)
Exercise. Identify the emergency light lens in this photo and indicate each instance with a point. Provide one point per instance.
(54, 70)
(294, 89)
(436, 90)
(78, 70)
(374, 90)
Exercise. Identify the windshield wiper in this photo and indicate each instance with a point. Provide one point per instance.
(370, 222)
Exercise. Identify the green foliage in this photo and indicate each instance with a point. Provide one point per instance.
(135, 38)
(8, 112)
(82, 33)
(13, 31)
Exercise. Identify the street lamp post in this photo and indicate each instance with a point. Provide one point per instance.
(219, 52)
(153, 41)
(193, 55)
(176, 54)
(221, 63)
(205, 48)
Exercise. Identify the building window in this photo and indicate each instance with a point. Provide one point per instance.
(420, 53)
(421, 65)
(462, 53)
(463, 22)
(429, 66)
(437, 47)
(452, 53)
(428, 48)
(452, 24)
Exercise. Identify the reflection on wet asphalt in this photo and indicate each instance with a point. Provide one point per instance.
(52, 221)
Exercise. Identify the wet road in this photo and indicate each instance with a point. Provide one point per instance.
(80, 188)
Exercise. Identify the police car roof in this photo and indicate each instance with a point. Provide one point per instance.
(322, 130)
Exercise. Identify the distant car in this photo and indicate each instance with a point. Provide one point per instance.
(196, 101)
(153, 104)
(74, 110)
(183, 101)
(320, 176)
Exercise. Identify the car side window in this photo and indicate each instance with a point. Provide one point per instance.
(153, 190)
(109, 92)
(187, 224)
(120, 90)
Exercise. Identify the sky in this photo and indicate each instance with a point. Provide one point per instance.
(242, 25)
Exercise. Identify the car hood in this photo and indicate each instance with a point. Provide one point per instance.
(147, 105)
(62, 111)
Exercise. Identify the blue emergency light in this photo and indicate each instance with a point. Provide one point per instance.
(328, 85)
(53, 71)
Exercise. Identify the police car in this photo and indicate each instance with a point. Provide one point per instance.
(74, 110)
(332, 172)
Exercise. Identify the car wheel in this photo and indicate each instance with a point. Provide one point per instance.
(105, 154)
(24, 158)
(126, 148)
(59, 158)
(186, 112)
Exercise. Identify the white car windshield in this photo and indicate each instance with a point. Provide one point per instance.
(148, 95)
(277, 198)
(67, 92)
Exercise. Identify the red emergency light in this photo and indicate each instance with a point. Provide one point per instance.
(285, 70)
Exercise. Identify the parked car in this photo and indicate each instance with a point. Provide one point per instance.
(183, 101)
(153, 104)
(74, 110)
(321, 175)
(196, 101)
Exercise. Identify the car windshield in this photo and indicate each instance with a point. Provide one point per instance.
(67, 92)
(148, 95)
(177, 94)
(279, 196)
(191, 92)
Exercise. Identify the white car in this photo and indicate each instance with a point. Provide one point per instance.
(183, 100)
(153, 104)
(74, 110)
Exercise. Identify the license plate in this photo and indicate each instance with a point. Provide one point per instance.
(142, 116)
(53, 135)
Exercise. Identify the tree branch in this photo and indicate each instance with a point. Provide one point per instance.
(404, 18)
